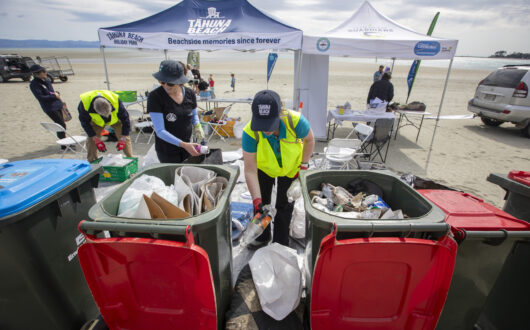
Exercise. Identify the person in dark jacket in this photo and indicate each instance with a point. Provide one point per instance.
(97, 109)
(50, 100)
(382, 89)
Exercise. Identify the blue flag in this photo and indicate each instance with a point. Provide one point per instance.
(271, 61)
(412, 73)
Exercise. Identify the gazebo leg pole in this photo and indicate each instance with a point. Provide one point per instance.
(165, 53)
(438, 115)
(102, 48)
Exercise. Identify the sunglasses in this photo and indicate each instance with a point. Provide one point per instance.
(165, 83)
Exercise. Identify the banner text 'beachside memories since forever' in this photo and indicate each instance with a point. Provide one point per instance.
(224, 41)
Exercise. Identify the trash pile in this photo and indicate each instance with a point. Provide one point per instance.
(362, 200)
(114, 160)
(195, 190)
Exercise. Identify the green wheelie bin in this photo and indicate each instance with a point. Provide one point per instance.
(211, 230)
(41, 203)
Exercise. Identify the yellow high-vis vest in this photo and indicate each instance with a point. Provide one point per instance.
(86, 99)
(291, 148)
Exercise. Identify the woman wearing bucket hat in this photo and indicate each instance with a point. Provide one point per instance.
(276, 144)
(173, 110)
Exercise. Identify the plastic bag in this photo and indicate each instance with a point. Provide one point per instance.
(151, 157)
(130, 199)
(238, 129)
(294, 192)
(297, 226)
(278, 279)
(230, 156)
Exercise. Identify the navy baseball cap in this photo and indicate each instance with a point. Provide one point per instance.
(36, 68)
(266, 108)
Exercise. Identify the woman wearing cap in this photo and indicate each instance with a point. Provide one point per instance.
(276, 144)
(50, 100)
(173, 110)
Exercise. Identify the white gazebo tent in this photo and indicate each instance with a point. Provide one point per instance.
(367, 33)
(203, 25)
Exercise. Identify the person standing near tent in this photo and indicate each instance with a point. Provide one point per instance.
(233, 82)
(173, 110)
(49, 100)
(379, 73)
(382, 89)
(276, 144)
(211, 82)
(99, 108)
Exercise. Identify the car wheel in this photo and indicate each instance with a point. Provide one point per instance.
(51, 78)
(491, 122)
(2, 79)
(526, 131)
(64, 78)
(26, 78)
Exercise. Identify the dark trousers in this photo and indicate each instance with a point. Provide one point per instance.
(284, 209)
(57, 117)
(175, 157)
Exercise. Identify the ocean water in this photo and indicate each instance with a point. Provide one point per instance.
(117, 55)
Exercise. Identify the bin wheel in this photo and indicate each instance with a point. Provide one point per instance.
(64, 78)
(50, 77)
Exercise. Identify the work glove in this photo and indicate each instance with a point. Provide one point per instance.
(99, 144)
(258, 205)
(199, 133)
(121, 144)
(303, 167)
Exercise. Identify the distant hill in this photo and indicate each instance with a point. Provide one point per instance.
(9, 43)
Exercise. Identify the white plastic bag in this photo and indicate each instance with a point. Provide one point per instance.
(295, 191)
(297, 227)
(277, 278)
(130, 199)
(238, 129)
(230, 156)
(151, 157)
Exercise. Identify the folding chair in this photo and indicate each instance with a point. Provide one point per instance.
(140, 125)
(342, 151)
(69, 141)
(382, 133)
(217, 127)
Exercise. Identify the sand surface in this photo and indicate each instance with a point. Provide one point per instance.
(464, 151)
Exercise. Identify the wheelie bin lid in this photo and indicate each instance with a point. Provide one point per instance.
(467, 212)
(145, 283)
(520, 176)
(24, 183)
(381, 282)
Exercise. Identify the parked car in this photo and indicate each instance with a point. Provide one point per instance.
(503, 97)
(15, 66)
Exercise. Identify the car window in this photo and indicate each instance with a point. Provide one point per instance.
(508, 78)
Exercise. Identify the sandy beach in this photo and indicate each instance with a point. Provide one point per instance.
(464, 151)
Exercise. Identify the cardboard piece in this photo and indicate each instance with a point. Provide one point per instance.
(170, 210)
(155, 210)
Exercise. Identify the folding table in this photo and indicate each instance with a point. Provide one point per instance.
(335, 119)
(404, 114)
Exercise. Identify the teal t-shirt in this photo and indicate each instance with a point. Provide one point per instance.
(301, 130)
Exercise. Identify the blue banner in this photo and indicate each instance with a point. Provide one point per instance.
(412, 73)
(271, 61)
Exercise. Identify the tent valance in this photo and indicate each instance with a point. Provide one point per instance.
(204, 25)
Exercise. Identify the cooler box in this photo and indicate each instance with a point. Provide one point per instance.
(211, 230)
(517, 187)
(41, 202)
(145, 283)
(485, 236)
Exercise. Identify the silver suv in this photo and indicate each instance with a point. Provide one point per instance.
(503, 97)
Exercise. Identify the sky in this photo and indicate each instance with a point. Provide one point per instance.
(481, 26)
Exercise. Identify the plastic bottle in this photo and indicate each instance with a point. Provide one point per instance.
(257, 225)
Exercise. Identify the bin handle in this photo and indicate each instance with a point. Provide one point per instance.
(383, 228)
(503, 234)
(473, 197)
(88, 227)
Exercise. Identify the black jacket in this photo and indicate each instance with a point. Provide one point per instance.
(43, 91)
(383, 89)
(85, 119)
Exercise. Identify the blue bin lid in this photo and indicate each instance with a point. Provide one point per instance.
(25, 183)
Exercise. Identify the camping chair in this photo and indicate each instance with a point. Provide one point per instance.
(140, 125)
(342, 152)
(69, 141)
(382, 132)
(217, 127)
